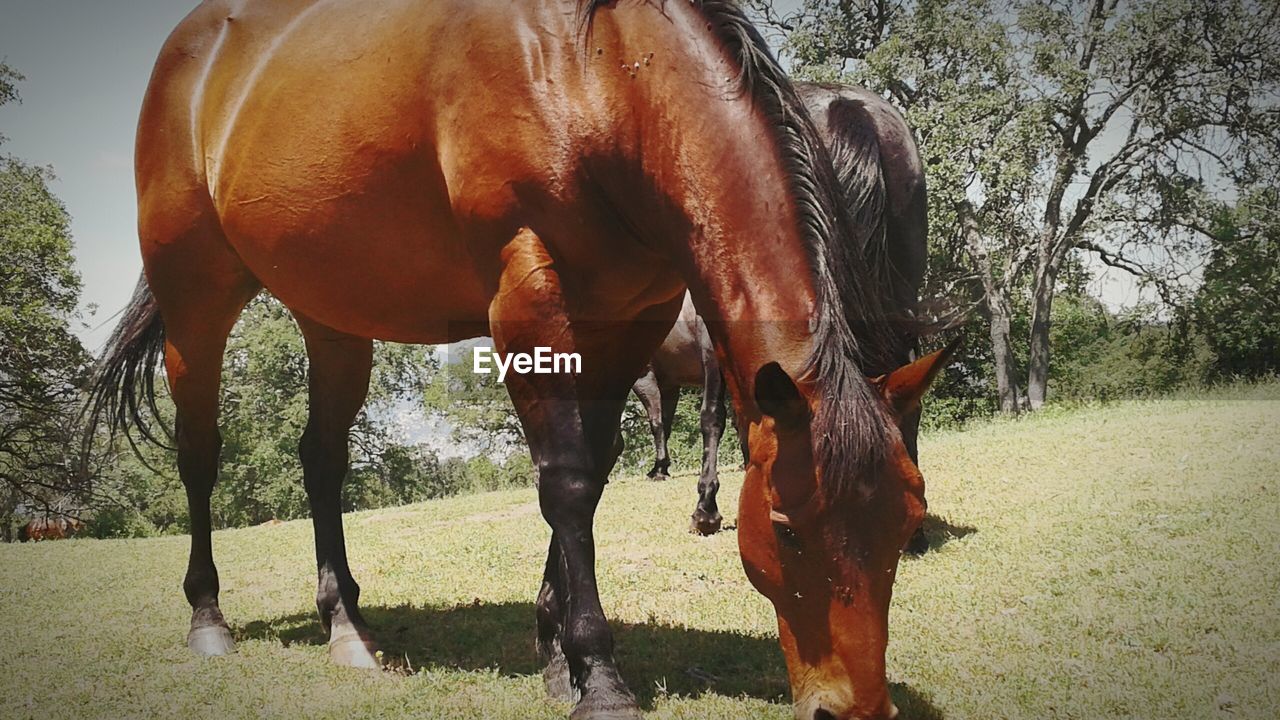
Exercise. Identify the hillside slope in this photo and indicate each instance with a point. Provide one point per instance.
(1113, 562)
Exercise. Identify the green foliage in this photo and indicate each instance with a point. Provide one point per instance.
(412, 473)
(1105, 357)
(42, 363)
(482, 474)
(1238, 304)
(264, 401)
(476, 406)
(264, 411)
(1049, 129)
(960, 394)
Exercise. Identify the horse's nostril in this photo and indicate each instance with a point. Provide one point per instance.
(821, 714)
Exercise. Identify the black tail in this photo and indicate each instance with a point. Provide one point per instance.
(123, 391)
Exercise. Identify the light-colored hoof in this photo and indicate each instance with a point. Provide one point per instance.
(211, 641)
(706, 525)
(610, 713)
(348, 649)
(555, 677)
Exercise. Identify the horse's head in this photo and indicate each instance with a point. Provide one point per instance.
(826, 564)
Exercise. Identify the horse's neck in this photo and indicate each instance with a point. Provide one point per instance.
(747, 266)
(708, 182)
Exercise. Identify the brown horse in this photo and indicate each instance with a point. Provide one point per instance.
(47, 528)
(554, 174)
(880, 171)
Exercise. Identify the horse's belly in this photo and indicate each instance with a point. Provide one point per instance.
(376, 263)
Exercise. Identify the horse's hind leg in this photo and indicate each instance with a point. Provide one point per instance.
(338, 380)
(200, 287)
(652, 395)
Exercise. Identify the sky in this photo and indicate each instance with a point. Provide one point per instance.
(86, 64)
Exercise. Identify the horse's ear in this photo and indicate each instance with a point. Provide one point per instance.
(903, 388)
(778, 397)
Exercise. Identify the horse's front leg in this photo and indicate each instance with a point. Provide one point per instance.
(573, 457)
(706, 518)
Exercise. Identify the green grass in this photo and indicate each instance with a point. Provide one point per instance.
(1107, 562)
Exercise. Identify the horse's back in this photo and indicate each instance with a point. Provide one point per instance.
(905, 202)
(899, 156)
(348, 134)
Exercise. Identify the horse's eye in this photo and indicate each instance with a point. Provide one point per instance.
(786, 536)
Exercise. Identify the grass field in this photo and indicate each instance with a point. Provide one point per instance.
(1114, 562)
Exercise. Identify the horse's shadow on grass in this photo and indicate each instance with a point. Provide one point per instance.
(939, 531)
(655, 659)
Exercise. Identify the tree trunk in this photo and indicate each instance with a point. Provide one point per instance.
(996, 302)
(1049, 251)
(1002, 351)
(1038, 352)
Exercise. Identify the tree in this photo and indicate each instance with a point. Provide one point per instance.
(475, 405)
(42, 363)
(1051, 127)
(1238, 305)
(264, 411)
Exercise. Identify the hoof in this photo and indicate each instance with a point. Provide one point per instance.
(211, 641)
(621, 713)
(620, 709)
(555, 676)
(606, 699)
(660, 477)
(349, 649)
(701, 523)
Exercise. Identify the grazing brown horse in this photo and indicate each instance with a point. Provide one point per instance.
(552, 173)
(880, 172)
(46, 528)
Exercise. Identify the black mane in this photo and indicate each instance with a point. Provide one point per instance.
(852, 430)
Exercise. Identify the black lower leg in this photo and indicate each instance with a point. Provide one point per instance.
(337, 593)
(706, 519)
(568, 500)
(550, 615)
(198, 467)
(339, 380)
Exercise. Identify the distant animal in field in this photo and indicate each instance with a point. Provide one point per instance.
(50, 528)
